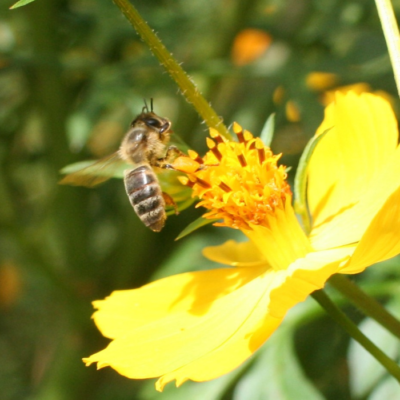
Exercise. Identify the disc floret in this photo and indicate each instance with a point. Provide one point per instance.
(238, 182)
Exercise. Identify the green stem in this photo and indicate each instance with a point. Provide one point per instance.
(337, 315)
(368, 305)
(391, 32)
(188, 88)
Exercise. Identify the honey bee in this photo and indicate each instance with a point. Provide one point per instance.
(145, 148)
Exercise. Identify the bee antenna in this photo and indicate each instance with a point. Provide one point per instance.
(146, 108)
(151, 104)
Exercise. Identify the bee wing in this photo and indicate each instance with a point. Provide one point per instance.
(95, 173)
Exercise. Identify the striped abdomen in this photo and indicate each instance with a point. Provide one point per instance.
(145, 195)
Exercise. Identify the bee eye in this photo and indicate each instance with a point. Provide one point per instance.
(152, 122)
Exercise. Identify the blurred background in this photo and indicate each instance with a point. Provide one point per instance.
(73, 75)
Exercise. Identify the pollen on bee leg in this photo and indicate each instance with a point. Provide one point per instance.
(214, 148)
(240, 157)
(186, 164)
(216, 136)
(260, 150)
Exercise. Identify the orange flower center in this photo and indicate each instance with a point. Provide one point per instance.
(239, 182)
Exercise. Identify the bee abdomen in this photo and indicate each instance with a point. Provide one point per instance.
(145, 195)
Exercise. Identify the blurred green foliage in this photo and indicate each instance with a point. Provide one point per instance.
(73, 75)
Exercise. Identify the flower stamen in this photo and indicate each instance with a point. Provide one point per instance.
(225, 187)
(241, 157)
(238, 132)
(239, 182)
(186, 181)
(247, 136)
(260, 151)
(214, 148)
(216, 136)
(195, 157)
(202, 183)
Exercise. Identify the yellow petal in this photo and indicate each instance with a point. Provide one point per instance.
(381, 241)
(193, 293)
(349, 226)
(286, 288)
(358, 88)
(210, 309)
(283, 241)
(363, 135)
(202, 333)
(305, 276)
(245, 254)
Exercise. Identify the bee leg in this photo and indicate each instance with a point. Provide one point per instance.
(169, 201)
(172, 153)
(164, 166)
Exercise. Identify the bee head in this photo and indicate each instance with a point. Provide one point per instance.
(152, 120)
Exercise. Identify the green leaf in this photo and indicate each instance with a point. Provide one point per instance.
(196, 224)
(181, 194)
(267, 132)
(387, 389)
(186, 256)
(182, 205)
(21, 3)
(365, 371)
(276, 373)
(79, 127)
(211, 390)
(300, 181)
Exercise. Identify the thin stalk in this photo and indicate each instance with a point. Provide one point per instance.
(367, 304)
(391, 32)
(337, 315)
(187, 86)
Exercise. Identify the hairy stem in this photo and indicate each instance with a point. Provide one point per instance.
(186, 84)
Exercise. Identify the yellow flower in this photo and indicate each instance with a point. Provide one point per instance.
(201, 325)
(319, 81)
